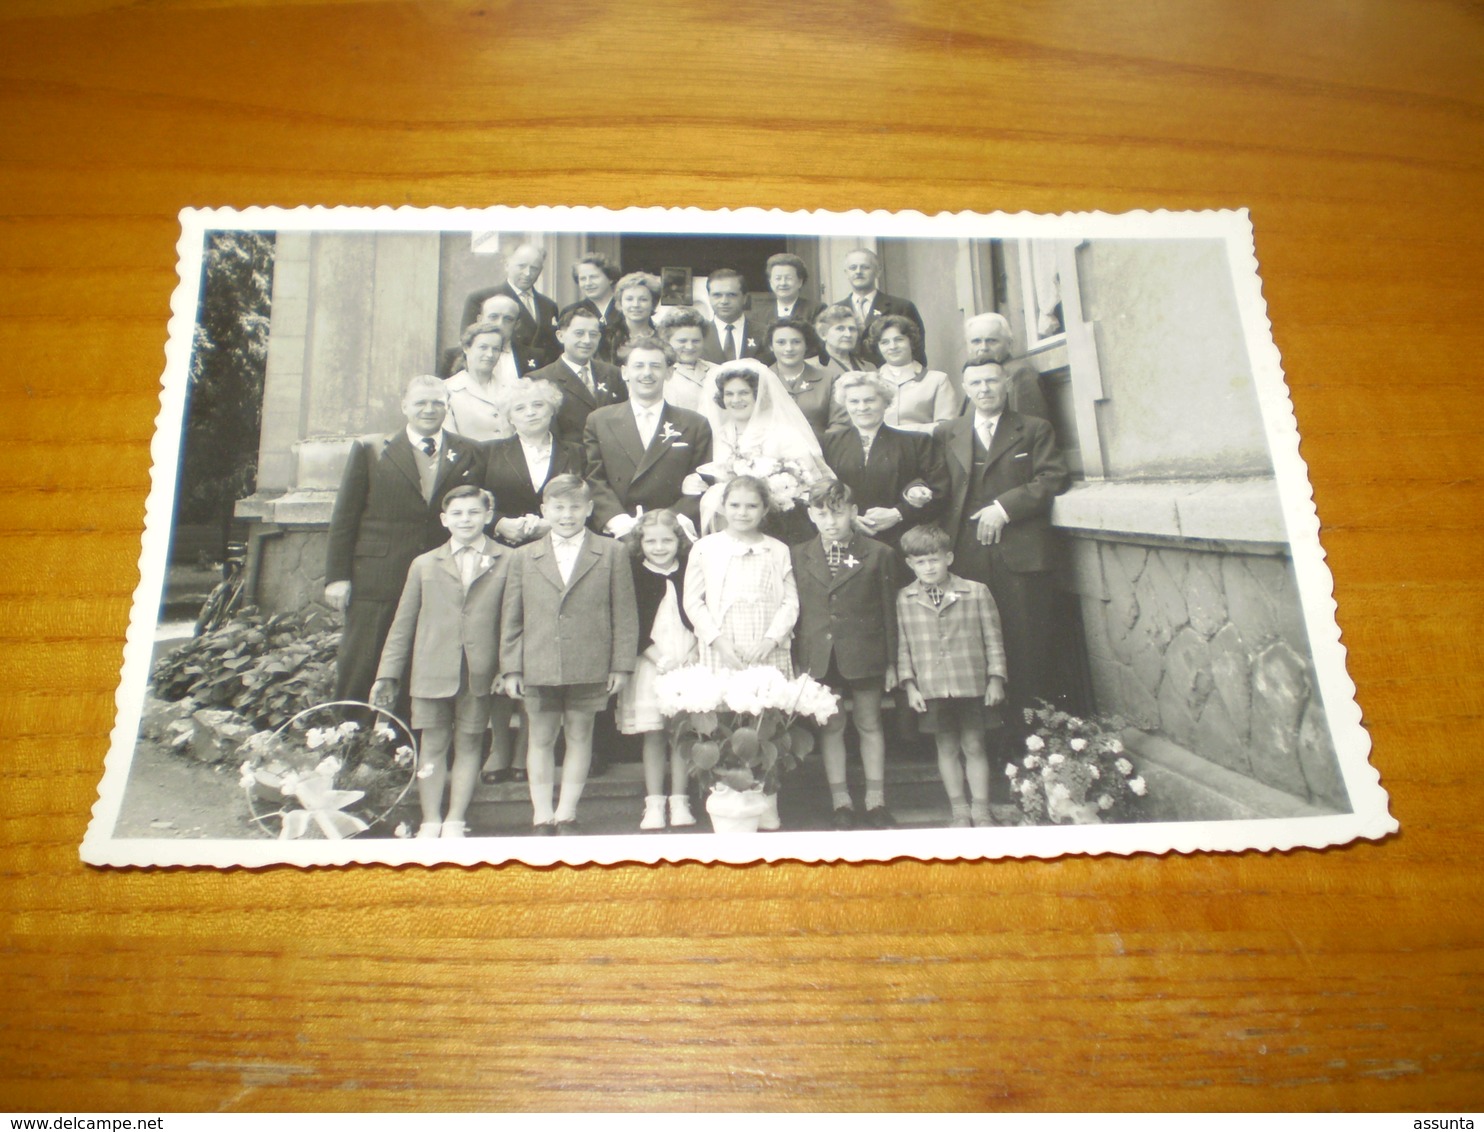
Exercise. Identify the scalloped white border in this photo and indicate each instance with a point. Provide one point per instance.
(1371, 817)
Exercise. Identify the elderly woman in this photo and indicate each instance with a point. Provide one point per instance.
(899, 479)
(752, 416)
(688, 384)
(786, 278)
(839, 330)
(519, 466)
(789, 340)
(516, 470)
(924, 397)
(474, 392)
(636, 296)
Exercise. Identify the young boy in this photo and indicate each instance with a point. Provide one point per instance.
(569, 637)
(847, 639)
(951, 660)
(449, 621)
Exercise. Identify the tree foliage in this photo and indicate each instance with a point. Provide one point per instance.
(229, 358)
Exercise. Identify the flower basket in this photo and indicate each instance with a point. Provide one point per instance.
(1075, 771)
(325, 774)
(739, 732)
(735, 811)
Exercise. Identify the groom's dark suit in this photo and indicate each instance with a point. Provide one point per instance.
(380, 523)
(626, 475)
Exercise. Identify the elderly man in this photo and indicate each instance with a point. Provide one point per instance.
(731, 333)
(386, 514)
(641, 453)
(988, 339)
(513, 362)
(863, 271)
(536, 314)
(1004, 471)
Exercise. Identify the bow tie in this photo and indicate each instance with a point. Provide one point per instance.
(934, 594)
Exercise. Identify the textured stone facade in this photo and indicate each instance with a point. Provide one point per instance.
(291, 570)
(1209, 650)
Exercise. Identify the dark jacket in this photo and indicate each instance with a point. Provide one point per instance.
(852, 616)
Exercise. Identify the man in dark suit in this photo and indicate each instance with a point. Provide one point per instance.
(386, 514)
(863, 270)
(786, 278)
(731, 333)
(988, 339)
(536, 315)
(644, 453)
(500, 309)
(586, 381)
(1004, 472)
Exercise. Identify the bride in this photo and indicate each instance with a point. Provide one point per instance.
(752, 416)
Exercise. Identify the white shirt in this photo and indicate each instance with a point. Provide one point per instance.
(985, 427)
(646, 420)
(505, 369)
(538, 460)
(578, 369)
(466, 558)
(566, 551)
(863, 305)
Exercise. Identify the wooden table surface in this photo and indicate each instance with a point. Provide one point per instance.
(1349, 978)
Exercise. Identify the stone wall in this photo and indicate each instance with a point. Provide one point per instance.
(1208, 649)
(291, 570)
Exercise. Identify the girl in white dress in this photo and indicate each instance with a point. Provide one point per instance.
(739, 587)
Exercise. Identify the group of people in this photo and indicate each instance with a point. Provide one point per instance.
(554, 528)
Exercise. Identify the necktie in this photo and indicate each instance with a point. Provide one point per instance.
(530, 302)
(465, 555)
(429, 446)
(729, 347)
(834, 555)
(935, 595)
(985, 429)
(587, 378)
(863, 308)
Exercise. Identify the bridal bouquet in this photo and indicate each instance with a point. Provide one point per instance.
(1075, 771)
(788, 478)
(742, 728)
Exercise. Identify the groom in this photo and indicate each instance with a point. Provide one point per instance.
(639, 452)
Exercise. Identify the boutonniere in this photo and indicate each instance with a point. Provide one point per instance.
(602, 387)
(752, 343)
(850, 562)
(452, 456)
(669, 433)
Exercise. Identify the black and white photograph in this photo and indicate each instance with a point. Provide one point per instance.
(573, 535)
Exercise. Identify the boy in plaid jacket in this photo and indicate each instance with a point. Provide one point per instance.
(951, 664)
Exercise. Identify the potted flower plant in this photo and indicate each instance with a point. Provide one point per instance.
(1075, 771)
(739, 732)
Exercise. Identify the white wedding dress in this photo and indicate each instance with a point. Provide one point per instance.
(777, 429)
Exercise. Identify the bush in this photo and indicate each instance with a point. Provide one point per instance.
(265, 670)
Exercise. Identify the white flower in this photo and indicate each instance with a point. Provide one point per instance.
(329, 766)
(290, 784)
(426, 770)
(349, 727)
(1078, 744)
(1056, 760)
(402, 830)
(1035, 743)
(1115, 746)
(1138, 786)
(403, 756)
(1093, 770)
(317, 737)
(1047, 772)
(1105, 802)
(1030, 762)
(1059, 793)
(1125, 767)
(386, 731)
(248, 779)
(1011, 770)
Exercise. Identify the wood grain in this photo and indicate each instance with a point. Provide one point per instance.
(1342, 979)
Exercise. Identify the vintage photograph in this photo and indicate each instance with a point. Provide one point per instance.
(568, 535)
